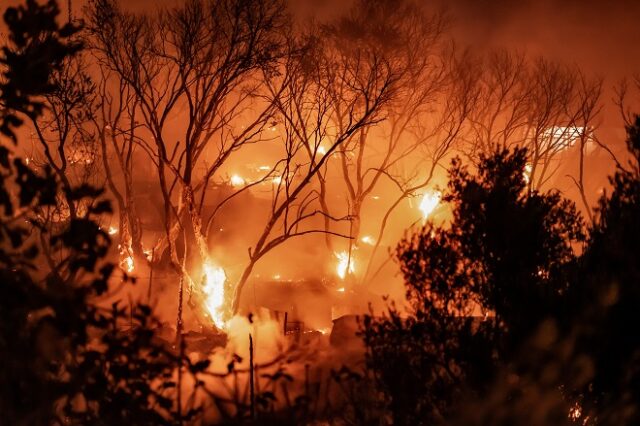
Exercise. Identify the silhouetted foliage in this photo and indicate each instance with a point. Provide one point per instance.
(610, 296)
(63, 358)
(476, 289)
(38, 46)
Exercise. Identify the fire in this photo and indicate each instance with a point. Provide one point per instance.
(149, 254)
(430, 201)
(345, 264)
(112, 230)
(213, 288)
(368, 239)
(237, 180)
(322, 150)
(528, 168)
(575, 412)
(562, 137)
(127, 263)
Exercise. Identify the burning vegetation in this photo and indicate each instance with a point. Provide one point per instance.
(227, 212)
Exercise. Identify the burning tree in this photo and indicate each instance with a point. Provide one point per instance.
(303, 96)
(199, 63)
(431, 99)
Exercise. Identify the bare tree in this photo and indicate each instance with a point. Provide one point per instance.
(588, 108)
(410, 40)
(538, 104)
(438, 133)
(198, 64)
(303, 96)
(116, 128)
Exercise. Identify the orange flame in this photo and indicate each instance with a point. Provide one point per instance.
(213, 288)
(345, 264)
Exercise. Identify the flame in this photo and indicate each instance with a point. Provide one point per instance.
(341, 290)
(322, 150)
(127, 263)
(528, 168)
(276, 180)
(149, 254)
(112, 230)
(430, 201)
(345, 265)
(213, 288)
(368, 239)
(575, 412)
(237, 180)
(561, 137)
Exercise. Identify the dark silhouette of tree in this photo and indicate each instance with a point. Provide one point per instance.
(610, 295)
(476, 289)
(63, 358)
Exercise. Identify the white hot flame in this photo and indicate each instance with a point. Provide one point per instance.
(345, 264)
(430, 201)
(127, 263)
(368, 239)
(237, 180)
(528, 168)
(213, 288)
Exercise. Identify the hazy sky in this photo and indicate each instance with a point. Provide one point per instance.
(601, 35)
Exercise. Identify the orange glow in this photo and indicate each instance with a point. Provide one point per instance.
(213, 288)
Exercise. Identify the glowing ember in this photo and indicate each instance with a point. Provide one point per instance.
(213, 288)
(345, 265)
(368, 239)
(237, 180)
(430, 201)
(575, 412)
(112, 230)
